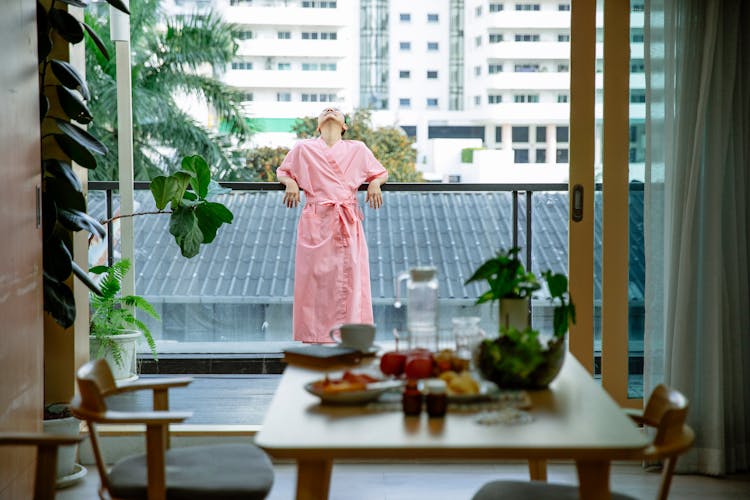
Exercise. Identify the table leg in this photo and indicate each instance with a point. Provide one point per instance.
(593, 479)
(313, 479)
(538, 470)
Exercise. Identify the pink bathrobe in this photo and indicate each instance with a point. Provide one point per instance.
(332, 271)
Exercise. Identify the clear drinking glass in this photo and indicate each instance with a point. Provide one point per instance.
(467, 334)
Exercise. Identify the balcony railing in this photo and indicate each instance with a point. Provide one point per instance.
(515, 189)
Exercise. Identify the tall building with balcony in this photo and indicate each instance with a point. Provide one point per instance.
(494, 74)
(490, 74)
(294, 57)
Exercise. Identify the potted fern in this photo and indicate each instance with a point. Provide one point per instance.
(114, 330)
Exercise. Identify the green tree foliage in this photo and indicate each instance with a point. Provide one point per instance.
(390, 145)
(260, 165)
(170, 59)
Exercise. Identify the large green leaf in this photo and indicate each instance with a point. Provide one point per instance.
(69, 76)
(59, 301)
(169, 189)
(198, 166)
(210, 217)
(215, 189)
(119, 5)
(75, 220)
(67, 26)
(181, 180)
(557, 283)
(162, 190)
(73, 105)
(49, 218)
(57, 260)
(62, 170)
(76, 152)
(43, 106)
(43, 41)
(84, 278)
(82, 137)
(76, 3)
(97, 40)
(484, 271)
(64, 194)
(183, 225)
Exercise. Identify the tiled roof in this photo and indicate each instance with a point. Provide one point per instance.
(252, 260)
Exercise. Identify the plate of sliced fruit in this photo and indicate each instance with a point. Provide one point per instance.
(463, 387)
(350, 388)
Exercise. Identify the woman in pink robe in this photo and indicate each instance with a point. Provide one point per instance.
(332, 270)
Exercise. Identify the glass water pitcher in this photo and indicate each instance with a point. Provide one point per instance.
(421, 306)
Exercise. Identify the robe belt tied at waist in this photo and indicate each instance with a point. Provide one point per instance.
(347, 213)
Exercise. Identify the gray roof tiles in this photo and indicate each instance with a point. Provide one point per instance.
(252, 259)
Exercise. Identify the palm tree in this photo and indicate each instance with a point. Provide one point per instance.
(170, 58)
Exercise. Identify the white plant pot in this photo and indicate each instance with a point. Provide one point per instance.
(126, 370)
(515, 313)
(66, 455)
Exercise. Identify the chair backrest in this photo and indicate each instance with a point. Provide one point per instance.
(666, 411)
(95, 382)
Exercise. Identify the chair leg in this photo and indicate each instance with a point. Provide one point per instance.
(666, 477)
(156, 463)
(538, 470)
(46, 468)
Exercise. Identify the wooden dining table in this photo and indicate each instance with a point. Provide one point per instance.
(574, 419)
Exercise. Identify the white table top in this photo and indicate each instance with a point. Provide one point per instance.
(574, 419)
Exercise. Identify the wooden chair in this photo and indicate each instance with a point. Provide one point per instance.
(666, 411)
(46, 460)
(224, 472)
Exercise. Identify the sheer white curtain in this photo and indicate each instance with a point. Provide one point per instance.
(698, 219)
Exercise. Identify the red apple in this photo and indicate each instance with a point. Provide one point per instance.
(418, 366)
(392, 363)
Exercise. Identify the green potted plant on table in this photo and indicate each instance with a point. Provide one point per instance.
(518, 357)
(114, 329)
(510, 284)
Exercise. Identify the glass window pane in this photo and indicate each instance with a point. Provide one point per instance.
(541, 134)
(541, 156)
(520, 155)
(520, 134)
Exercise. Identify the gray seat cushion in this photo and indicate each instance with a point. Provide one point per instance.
(228, 472)
(532, 490)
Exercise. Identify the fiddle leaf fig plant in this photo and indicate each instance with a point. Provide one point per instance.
(194, 217)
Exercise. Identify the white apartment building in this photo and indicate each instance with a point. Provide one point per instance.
(451, 73)
(494, 73)
(294, 57)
